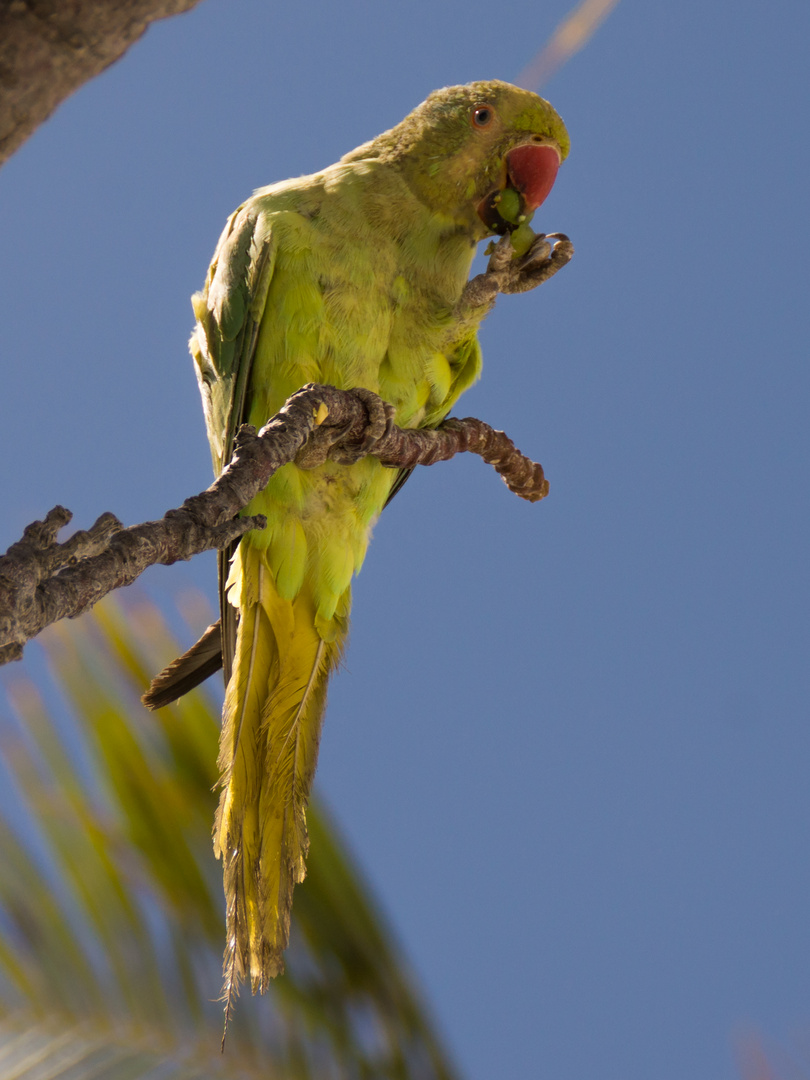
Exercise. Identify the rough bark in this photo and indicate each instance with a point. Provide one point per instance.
(42, 581)
(49, 48)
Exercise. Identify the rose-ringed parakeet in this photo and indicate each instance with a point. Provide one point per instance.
(355, 276)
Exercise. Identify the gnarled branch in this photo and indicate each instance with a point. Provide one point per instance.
(42, 581)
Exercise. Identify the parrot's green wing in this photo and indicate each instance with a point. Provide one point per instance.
(229, 311)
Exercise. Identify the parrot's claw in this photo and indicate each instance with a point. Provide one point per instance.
(506, 274)
(536, 257)
(548, 254)
(328, 442)
(380, 422)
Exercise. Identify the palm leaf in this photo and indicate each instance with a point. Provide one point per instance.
(111, 910)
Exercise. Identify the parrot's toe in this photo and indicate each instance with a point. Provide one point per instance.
(380, 422)
(538, 253)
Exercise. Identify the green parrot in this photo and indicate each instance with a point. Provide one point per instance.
(356, 276)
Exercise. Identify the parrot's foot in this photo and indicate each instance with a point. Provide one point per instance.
(343, 445)
(381, 416)
(506, 274)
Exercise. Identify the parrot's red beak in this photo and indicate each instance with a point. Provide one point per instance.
(532, 170)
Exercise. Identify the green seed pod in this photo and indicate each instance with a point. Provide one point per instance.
(522, 239)
(509, 205)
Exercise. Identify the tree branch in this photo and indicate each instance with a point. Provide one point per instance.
(42, 581)
(49, 48)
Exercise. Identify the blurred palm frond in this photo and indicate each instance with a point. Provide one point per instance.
(111, 916)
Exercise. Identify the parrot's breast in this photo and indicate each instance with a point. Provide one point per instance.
(362, 295)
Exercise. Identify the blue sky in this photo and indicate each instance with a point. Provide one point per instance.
(571, 745)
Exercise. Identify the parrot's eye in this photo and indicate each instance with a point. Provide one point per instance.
(482, 116)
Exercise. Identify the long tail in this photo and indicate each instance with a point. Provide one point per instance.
(271, 728)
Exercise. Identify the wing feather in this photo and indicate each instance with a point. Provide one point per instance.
(229, 312)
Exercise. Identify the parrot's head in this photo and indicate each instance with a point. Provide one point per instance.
(485, 155)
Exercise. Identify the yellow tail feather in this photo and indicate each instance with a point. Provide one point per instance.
(271, 729)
